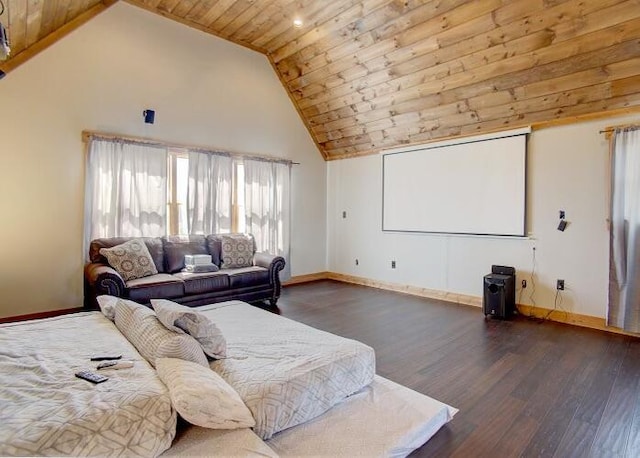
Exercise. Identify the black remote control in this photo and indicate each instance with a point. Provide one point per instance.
(92, 377)
(105, 358)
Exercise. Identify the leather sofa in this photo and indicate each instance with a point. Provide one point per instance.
(258, 282)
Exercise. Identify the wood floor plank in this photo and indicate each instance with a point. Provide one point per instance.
(523, 387)
(615, 426)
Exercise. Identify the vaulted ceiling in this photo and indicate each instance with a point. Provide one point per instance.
(372, 74)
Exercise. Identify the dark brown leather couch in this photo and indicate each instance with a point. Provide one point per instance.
(259, 282)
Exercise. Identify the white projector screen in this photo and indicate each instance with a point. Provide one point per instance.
(473, 187)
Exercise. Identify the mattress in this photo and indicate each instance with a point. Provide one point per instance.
(203, 442)
(385, 419)
(382, 420)
(46, 410)
(286, 372)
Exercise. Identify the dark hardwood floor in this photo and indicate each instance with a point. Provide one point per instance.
(523, 387)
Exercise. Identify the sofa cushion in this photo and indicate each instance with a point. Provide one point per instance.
(175, 248)
(214, 245)
(196, 283)
(247, 276)
(155, 287)
(154, 245)
(237, 251)
(130, 259)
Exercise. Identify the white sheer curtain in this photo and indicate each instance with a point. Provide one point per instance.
(267, 206)
(209, 193)
(624, 273)
(126, 190)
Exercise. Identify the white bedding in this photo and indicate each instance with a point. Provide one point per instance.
(286, 372)
(203, 442)
(46, 410)
(382, 420)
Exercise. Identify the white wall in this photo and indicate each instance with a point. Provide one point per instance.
(567, 170)
(205, 91)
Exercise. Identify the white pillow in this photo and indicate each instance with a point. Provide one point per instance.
(141, 327)
(182, 319)
(202, 397)
(107, 305)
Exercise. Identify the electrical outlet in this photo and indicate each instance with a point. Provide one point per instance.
(393, 264)
(357, 262)
(344, 214)
(560, 285)
(524, 283)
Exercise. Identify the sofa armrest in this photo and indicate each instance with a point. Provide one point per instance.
(269, 261)
(103, 279)
(274, 264)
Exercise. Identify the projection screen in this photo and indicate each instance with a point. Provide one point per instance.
(470, 187)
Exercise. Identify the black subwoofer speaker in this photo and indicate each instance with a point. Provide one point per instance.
(499, 295)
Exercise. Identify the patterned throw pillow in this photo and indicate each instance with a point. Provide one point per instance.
(131, 259)
(141, 327)
(202, 397)
(185, 320)
(237, 251)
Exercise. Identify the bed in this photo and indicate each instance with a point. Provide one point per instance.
(301, 385)
(46, 410)
(286, 372)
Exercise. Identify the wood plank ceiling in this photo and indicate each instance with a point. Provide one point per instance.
(372, 74)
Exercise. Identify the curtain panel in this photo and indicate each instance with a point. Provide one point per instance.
(126, 190)
(624, 272)
(209, 193)
(267, 207)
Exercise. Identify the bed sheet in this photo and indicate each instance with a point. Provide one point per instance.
(46, 410)
(286, 372)
(385, 419)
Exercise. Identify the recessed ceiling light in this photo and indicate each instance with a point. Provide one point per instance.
(297, 23)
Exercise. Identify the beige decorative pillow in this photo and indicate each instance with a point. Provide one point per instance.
(130, 259)
(182, 319)
(141, 327)
(237, 251)
(202, 397)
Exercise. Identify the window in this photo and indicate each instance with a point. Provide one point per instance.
(137, 188)
(178, 180)
(239, 221)
(178, 191)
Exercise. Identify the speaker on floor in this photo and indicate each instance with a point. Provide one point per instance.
(499, 298)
